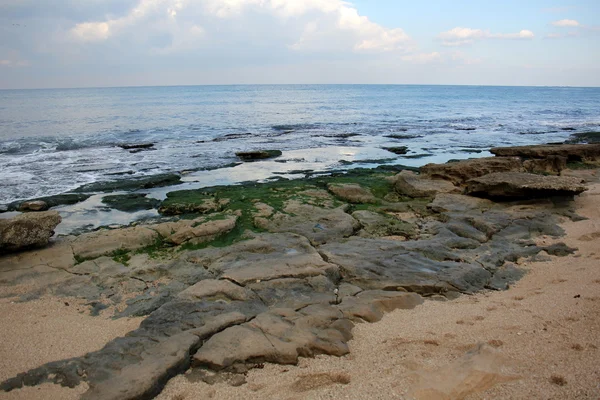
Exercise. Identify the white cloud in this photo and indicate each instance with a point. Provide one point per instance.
(423, 58)
(566, 23)
(332, 22)
(14, 63)
(460, 36)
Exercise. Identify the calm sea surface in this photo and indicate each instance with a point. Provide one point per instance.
(52, 141)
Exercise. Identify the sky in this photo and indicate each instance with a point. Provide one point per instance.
(97, 43)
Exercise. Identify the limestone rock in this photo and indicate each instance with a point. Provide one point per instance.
(377, 225)
(199, 230)
(515, 185)
(548, 165)
(34, 205)
(202, 206)
(409, 184)
(573, 152)
(216, 290)
(318, 224)
(27, 230)
(424, 266)
(461, 171)
(352, 193)
(103, 242)
(278, 336)
(445, 202)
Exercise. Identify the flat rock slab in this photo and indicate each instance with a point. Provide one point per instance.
(318, 224)
(27, 230)
(523, 185)
(407, 183)
(460, 172)
(103, 242)
(573, 152)
(352, 193)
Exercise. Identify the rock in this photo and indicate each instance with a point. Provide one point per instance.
(407, 183)
(130, 202)
(400, 150)
(34, 205)
(147, 182)
(460, 172)
(549, 165)
(377, 225)
(257, 154)
(318, 224)
(352, 193)
(445, 202)
(104, 242)
(199, 230)
(278, 336)
(573, 152)
(27, 230)
(199, 206)
(414, 266)
(212, 289)
(523, 185)
(585, 137)
(136, 146)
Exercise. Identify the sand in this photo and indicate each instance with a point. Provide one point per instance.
(540, 339)
(51, 329)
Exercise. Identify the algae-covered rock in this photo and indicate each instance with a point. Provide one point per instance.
(130, 202)
(27, 230)
(177, 206)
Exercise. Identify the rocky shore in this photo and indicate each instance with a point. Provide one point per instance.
(237, 276)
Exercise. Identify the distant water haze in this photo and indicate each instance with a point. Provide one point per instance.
(54, 140)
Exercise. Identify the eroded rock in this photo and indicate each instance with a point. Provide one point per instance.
(515, 184)
(460, 172)
(352, 193)
(407, 183)
(27, 230)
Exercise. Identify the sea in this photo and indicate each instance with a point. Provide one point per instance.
(55, 140)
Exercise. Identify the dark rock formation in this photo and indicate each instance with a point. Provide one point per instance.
(257, 154)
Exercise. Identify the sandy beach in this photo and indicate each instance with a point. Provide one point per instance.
(539, 339)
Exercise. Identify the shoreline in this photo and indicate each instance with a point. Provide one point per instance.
(409, 250)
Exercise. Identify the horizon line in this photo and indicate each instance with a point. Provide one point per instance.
(298, 84)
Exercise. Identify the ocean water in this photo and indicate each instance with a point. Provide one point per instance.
(52, 141)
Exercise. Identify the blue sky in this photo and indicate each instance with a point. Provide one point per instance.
(73, 43)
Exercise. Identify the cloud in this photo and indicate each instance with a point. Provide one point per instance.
(423, 58)
(566, 23)
(14, 63)
(463, 36)
(316, 23)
